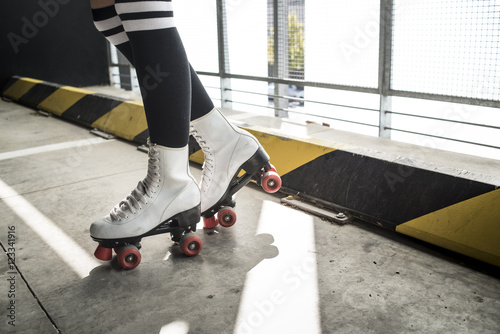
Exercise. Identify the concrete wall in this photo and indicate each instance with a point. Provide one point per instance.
(54, 40)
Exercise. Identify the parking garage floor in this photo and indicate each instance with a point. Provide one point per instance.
(277, 270)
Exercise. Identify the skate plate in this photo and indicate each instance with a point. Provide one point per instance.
(181, 228)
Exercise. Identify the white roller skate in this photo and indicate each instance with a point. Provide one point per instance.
(228, 150)
(166, 201)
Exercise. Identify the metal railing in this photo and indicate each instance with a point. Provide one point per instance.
(396, 75)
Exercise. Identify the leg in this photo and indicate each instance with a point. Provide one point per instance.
(168, 194)
(162, 69)
(220, 162)
(110, 25)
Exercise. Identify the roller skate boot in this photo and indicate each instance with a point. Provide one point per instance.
(228, 150)
(166, 201)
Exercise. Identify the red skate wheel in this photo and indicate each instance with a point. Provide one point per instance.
(210, 222)
(191, 244)
(129, 257)
(103, 253)
(227, 217)
(271, 182)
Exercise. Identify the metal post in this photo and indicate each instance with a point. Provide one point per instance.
(280, 16)
(225, 81)
(125, 72)
(384, 73)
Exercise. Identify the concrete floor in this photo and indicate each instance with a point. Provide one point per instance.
(276, 271)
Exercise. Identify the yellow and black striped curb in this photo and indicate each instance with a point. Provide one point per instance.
(125, 119)
(453, 212)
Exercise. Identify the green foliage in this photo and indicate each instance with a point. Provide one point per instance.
(295, 44)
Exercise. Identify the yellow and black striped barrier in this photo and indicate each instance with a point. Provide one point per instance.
(453, 212)
(125, 119)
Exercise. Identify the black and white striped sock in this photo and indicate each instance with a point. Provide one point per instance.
(141, 15)
(157, 15)
(110, 25)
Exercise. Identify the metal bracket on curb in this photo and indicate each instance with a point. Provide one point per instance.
(102, 134)
(336, 217)
(42, 113)
(143, 148)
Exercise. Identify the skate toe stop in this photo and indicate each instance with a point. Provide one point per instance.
(103, 253)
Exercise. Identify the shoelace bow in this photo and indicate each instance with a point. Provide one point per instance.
(144, 190)
(208, 164)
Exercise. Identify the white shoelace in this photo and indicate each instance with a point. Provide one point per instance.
(145, 189)
(208, 165)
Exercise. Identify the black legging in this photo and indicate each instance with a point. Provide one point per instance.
(171, 90)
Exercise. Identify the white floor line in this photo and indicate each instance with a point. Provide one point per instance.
(68, 250)
(281, 294)
(52, 147)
